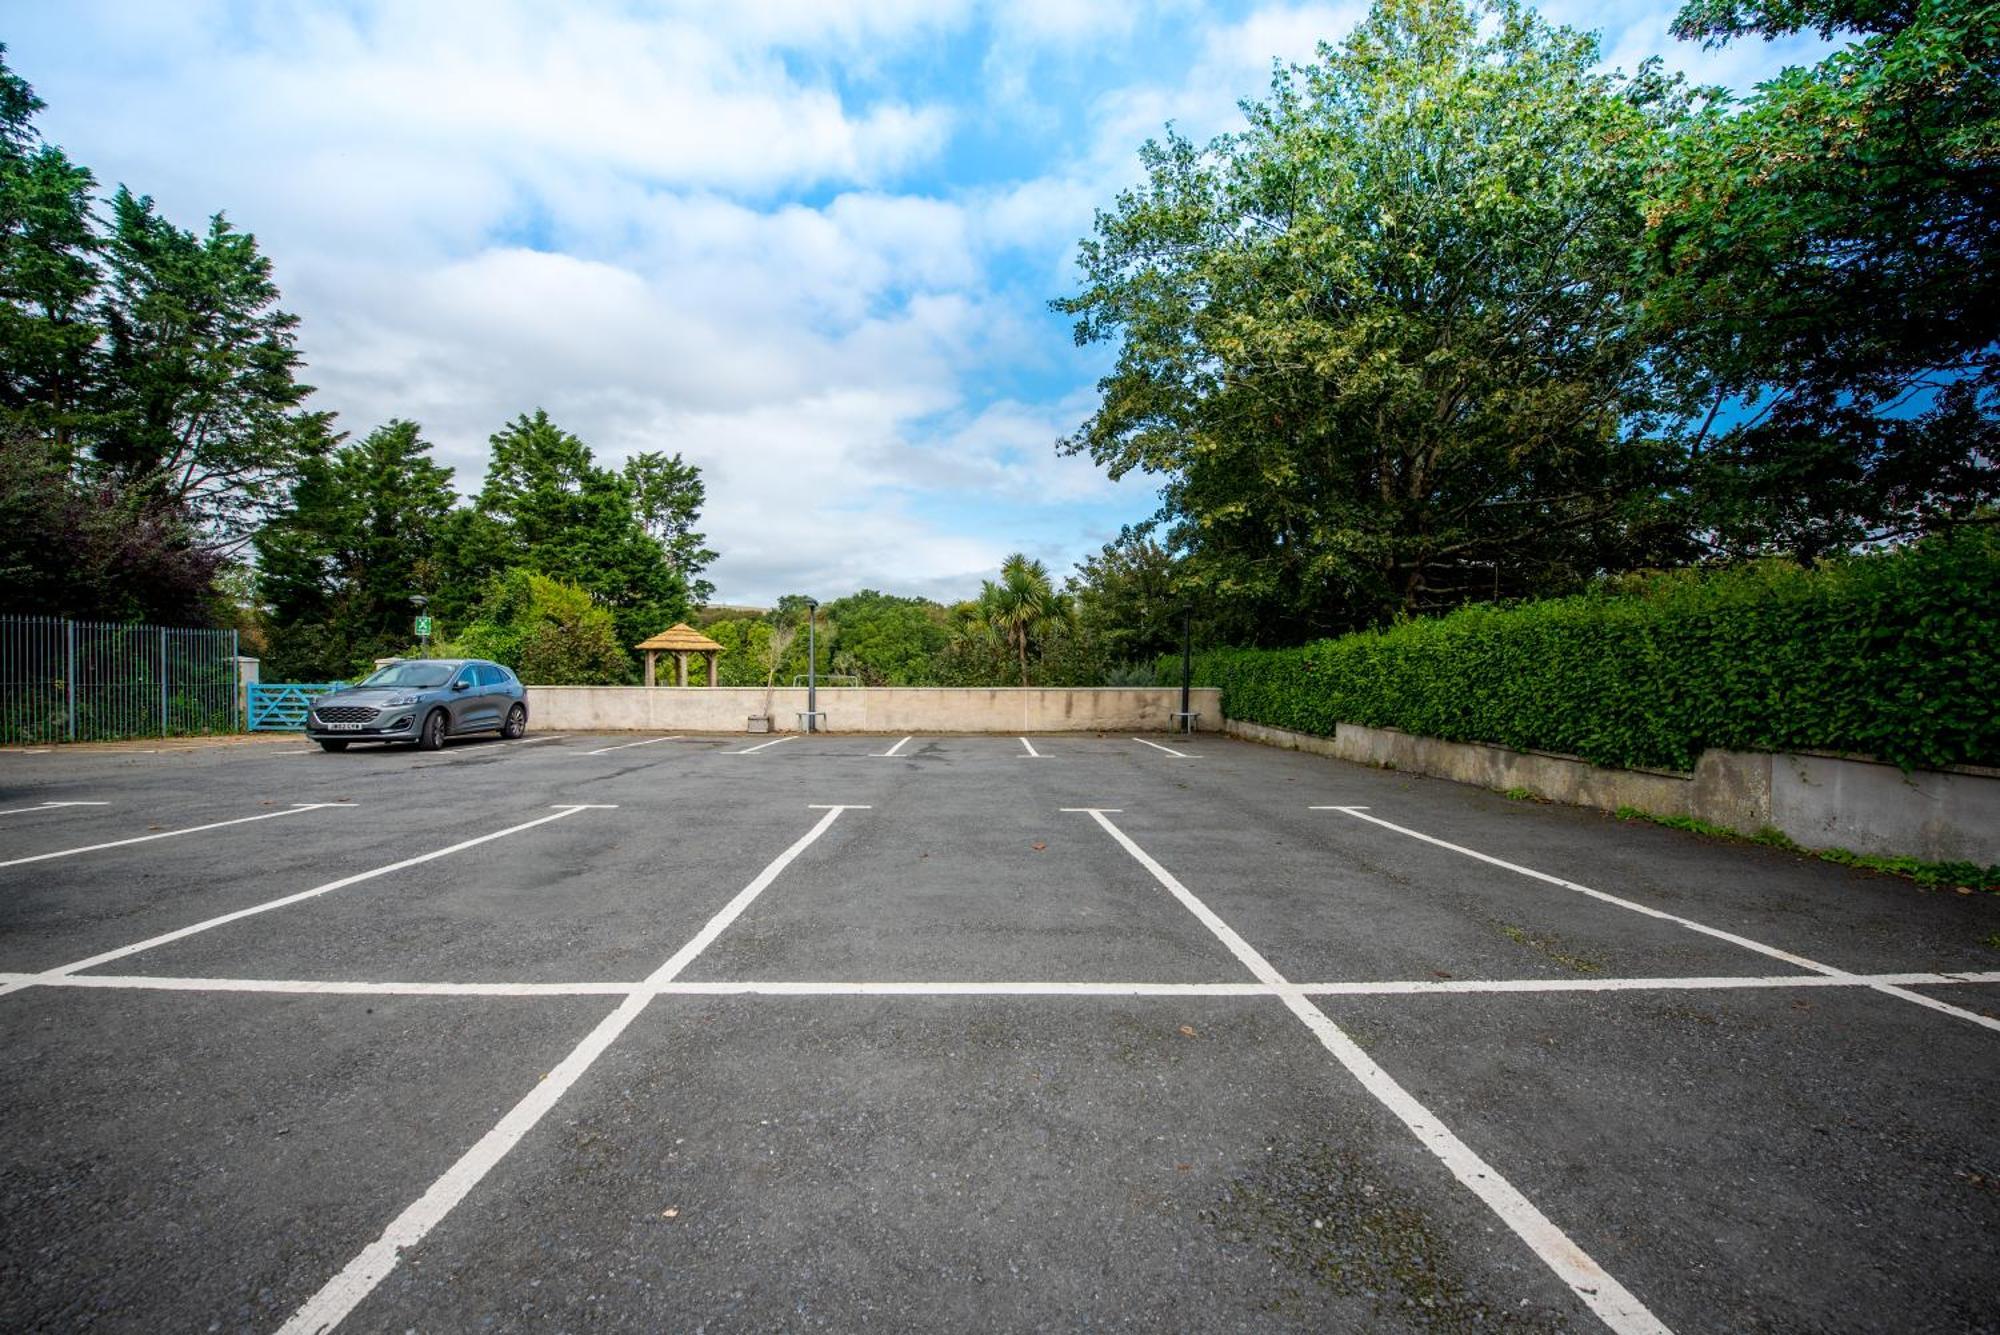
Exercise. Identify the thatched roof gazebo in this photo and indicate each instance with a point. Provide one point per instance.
(680, 640)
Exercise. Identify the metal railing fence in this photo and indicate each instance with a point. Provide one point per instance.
(85, 681)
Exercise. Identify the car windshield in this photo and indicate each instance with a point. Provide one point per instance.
(417, 676)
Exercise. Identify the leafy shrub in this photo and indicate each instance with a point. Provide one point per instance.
(549, 632)
(1892, 655)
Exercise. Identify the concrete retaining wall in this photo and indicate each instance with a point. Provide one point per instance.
(897, 709)
(1819, 801)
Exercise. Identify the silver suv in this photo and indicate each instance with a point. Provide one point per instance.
(422, 700)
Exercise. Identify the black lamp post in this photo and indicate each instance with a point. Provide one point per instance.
(812, 666)
(1187, 662)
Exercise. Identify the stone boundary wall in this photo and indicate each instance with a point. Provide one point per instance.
(886, 709)
(1820, 801)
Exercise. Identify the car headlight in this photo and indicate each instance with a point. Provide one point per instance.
(401, 700)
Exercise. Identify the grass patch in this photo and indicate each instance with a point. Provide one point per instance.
(1548, 947)
(1967, 875)
(1522, 795)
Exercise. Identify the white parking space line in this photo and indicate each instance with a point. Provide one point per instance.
(1168, 749)
(1033, 754)
(454, 753)
(50, 806)
(1615, 1305)
(752, 750)
(1888, 989)
(341, 1294)
(1721, 983)
(31, 980)
(316, 986)
(884, 755)
(296, 809)
(650, 741)
(991, 988)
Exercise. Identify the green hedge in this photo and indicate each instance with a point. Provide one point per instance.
(1895, 656)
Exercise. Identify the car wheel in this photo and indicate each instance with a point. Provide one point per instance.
(517, 723)
(432, 737)
(328, 744)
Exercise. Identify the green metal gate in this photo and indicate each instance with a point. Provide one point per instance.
(79, 681)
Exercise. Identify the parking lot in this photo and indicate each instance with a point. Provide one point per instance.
(837, 1032)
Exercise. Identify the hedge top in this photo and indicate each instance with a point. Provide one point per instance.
(1892, 655)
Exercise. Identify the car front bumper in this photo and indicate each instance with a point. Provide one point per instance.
(396, 727)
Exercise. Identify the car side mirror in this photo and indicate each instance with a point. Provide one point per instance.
(461, 686)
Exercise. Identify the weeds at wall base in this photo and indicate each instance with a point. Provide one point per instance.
(1963, 876)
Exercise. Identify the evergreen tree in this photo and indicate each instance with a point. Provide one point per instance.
(48, 274)
(339, 567)
(667, 496)
(200, 402)
(548, 507)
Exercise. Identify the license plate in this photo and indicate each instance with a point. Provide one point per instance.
(342, 727)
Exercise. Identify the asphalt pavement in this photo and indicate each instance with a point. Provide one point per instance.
(625, 1032)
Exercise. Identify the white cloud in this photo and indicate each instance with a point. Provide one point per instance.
(723, 230)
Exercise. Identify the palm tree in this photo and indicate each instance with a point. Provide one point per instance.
(1022, 605)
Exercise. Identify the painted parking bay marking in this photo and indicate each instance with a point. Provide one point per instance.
(752, 750)
(989, 988)
(345, 1291)
(562, 812)
(606, 750)
(50, 806)
(1614, 1304)
(1887, 989)
(296, 809)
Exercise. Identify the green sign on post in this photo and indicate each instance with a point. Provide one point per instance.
(423, 628)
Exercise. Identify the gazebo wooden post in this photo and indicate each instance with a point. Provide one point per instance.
(680, 640)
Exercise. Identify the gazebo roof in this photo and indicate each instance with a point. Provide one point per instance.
(681, 636)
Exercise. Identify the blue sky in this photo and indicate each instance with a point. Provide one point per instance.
(806, 244)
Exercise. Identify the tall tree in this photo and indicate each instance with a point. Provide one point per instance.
(1383, 344)
(549, 508)
(200, 400)
(667, 496)
(1131, 597)
(48, 274)
(338, 568)
(1826, 253)
(87, 548)
(886, 640)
